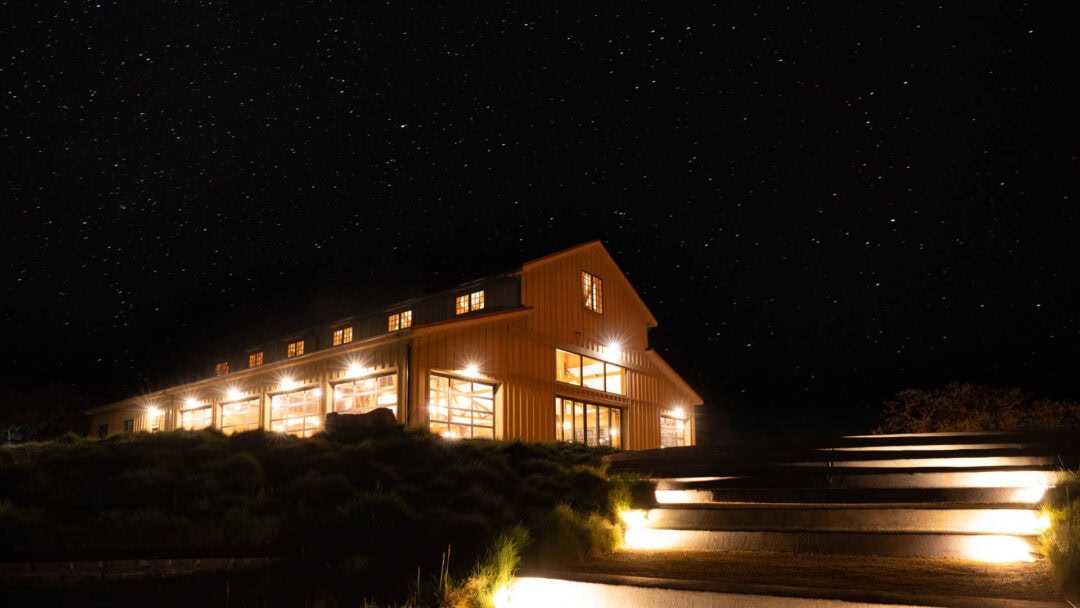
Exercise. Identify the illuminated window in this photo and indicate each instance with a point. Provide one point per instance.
(221, 368)
(255, 359)
(296, 413)
(193, 420)
(672, 432)
(366, 394)
(401, 320)
(295, 349)
(461, 408)
(580, 370)
(469, 302)
(240, 416)
(592, 291)
(588, 423)
(342, 336)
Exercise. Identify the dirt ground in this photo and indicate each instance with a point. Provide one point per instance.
(838, 575)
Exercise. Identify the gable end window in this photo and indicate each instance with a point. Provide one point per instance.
(295, 349)
(469, 302)
(342, 336)
(399, 321)
(592, 292)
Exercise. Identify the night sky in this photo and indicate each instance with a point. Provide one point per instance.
(821, 203)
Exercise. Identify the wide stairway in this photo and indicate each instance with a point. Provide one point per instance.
(961, 495)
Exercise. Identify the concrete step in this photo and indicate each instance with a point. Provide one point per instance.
(847, 518)
(981, 547)
(672, 493)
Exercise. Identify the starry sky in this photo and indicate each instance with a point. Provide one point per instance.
(822, 203)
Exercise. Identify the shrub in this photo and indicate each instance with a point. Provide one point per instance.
(972, 407)
(566, 535)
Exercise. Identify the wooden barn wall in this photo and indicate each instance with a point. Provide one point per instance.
(553, 289)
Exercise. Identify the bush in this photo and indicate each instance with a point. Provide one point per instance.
(973, 407)
(566, 535)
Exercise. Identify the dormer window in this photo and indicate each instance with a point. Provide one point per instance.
(469, 302)
(255, 359)
(221, 368)
(295, 349)
(399, 321)
(342, 336)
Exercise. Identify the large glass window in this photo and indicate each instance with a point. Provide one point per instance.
(365, 394)
(193, 420)
(296, 413)
(461, 408)
(580, 370)
(240, 416)
(672, 432)
(295, 349)
(588, 423)
(255, 359)
(592, 292)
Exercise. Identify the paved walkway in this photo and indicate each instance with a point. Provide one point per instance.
(867, 580)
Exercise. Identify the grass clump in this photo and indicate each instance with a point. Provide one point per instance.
(1060, 542)
(490, 577)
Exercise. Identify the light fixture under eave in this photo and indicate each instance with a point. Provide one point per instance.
(233, 393)
(288, 384)
(471, 370)
(354, 369)
(191, 402)
(613, 349)
(153, 411)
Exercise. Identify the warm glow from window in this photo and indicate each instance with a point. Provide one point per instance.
(240, 416)
(193, 420)
(221, 368)
(295, 349)
(588, 423)
(469, 302)
(673, 432)
(581, 370)
(461, 408)
(296, 412)
(366, 394)
(255, 359)
(592, 289)
(400, 320)
(342, 336)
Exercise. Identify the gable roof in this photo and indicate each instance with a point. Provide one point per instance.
(558, 255)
